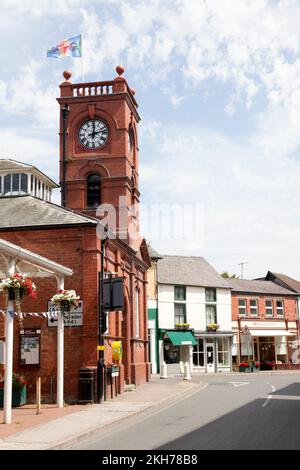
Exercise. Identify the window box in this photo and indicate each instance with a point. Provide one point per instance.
(212, 327)
(182, 326)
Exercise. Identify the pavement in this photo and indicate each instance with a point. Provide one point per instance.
(62, 428)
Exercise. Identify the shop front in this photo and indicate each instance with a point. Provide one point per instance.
(271, 349)
(212, 353)
(177, 349)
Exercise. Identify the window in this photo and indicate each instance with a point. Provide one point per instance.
(180, 293)
(253, 307)
(210, 295)
(269, 308)
(198, 354)
(180, 313)
(7, 184)
(93, 191)
(15, 184)
(24, 184)
(223, 352)
(279, 308)
(137, 313)
(242, 307)
(211, 314)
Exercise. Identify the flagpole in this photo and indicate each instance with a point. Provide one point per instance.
(82, 64)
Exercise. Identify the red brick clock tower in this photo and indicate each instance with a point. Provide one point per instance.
(99, 163)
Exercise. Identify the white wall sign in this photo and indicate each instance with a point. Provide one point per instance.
(74, 318)
(261, 324)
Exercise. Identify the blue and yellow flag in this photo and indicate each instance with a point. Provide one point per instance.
(71, 47)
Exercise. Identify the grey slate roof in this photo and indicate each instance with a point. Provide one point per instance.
(284, 281)
(188, 271)
(8, 164)
(257, 287)
(28, 211)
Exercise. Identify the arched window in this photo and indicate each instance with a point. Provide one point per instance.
(93, 191)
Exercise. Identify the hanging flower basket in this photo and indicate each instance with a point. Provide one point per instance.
(65, 300)
(16, 287)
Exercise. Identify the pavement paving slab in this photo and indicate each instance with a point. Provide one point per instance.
(57, 429)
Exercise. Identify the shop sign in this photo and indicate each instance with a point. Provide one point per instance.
(265, 325)
(74, 318)
(183, 343)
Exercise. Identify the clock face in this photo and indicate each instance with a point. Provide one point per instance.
(93, 134)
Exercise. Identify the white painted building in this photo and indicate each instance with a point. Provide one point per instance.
(194, 315)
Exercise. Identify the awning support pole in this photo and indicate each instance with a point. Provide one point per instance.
(9, 346)
(60, 350)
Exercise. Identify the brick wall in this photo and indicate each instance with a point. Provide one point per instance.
(290, 306)
(79, 249)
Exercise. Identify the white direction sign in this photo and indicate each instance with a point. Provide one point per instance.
(74, 318)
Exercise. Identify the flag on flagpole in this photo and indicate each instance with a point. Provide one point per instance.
(71, 47)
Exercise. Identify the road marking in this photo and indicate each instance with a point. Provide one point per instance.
(285, 397)
(239, 384)
(270, 397)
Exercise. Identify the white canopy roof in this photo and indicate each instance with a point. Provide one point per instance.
(29, 263)
(271, 333)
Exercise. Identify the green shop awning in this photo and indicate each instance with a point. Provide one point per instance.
(181, 338)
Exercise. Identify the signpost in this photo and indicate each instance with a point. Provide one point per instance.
(74, 318)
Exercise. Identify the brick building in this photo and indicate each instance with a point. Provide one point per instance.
(98, 165)
(268, 313)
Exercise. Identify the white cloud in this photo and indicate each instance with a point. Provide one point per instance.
(29, 149)
(251, 201)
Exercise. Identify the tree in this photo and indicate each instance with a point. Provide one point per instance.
(226, 275)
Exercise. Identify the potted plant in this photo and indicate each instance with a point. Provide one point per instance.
(65, 299)
(245, 367)
(16, 287)
(255, 366)
(19, 389)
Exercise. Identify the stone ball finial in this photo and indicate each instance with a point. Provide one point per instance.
(132, 91)
(67, 75)
(120, 70)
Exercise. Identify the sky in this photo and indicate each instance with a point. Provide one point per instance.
(218, 87)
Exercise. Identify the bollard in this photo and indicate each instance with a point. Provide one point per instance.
(187, 375)
(163, 370)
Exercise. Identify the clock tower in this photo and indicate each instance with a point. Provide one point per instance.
(99, 149)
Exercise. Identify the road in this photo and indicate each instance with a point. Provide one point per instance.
(233, 412)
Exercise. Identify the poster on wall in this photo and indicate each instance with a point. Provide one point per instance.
(30, 346)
